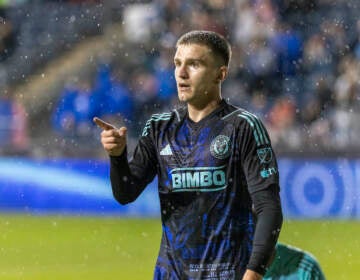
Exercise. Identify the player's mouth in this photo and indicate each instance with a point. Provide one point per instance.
(183, 87)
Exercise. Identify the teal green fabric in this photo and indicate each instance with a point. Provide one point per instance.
(291, 263)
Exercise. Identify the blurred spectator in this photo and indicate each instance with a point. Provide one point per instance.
(260, 103)
(261, 64)
(144, 88)
(346, 83)
(345, 121)
(357, 42)
(317, 57)
(205, 18)
(333, 34)
(281, 124)
(319, 103)
(7, 36)
(113, 100)
(267, 14)
(246, 26)
(140, 20)
(164, 74)
(6, 113)
(287, 46)
(282, 114)
(73, 114)
(13, 125)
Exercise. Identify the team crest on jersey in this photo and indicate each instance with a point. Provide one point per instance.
(265, 155)
(220, 147)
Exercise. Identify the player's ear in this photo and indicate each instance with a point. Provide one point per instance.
(222, 74)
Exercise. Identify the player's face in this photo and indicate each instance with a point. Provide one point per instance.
(196, 73)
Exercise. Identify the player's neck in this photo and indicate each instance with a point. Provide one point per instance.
(198, 112)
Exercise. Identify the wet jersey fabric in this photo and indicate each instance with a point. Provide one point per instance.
(206, 173)
(291, 263)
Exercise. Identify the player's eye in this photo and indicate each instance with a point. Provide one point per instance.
(194, 64)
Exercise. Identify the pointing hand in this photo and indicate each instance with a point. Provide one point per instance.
(112, 139)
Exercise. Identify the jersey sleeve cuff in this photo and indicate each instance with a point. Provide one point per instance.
(258, 262)
(119, 159)
(258, 269)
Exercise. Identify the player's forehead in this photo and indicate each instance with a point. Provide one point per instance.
(193, 52)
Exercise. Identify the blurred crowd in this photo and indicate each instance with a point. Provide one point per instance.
(296, 64)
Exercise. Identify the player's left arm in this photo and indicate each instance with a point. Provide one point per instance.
(261, 172)
(267, 209)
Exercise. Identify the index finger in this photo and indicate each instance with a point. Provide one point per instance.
(102, 124)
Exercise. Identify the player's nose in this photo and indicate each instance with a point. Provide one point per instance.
(181, 72)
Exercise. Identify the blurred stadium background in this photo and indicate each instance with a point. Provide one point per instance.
(296, 64)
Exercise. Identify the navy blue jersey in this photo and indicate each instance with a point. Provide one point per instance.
(207, 172)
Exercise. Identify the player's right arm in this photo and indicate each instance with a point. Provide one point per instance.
(128, 179)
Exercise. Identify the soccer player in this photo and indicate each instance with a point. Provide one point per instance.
(293, 263)
(213, 160)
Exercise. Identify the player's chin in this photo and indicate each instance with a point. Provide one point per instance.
(183, 96)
